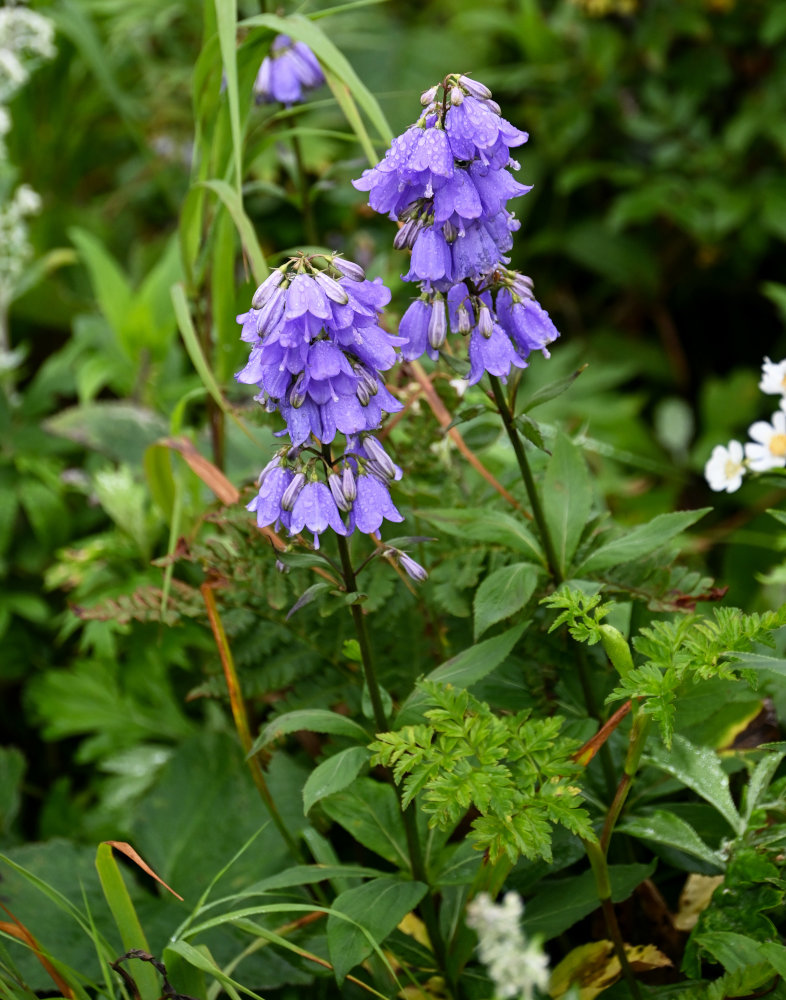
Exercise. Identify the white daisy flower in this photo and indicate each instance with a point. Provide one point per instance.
(726, 467)
(768, 448)
(773, 377)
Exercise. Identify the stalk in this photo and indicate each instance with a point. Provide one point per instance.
(529, 482)
(382, 724)
(240, 716)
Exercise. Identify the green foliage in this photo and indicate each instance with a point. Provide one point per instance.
(515, 771)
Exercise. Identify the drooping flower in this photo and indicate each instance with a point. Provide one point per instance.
(289, 70)
(726, 467)
(516, 966)
(773, 377)
(768, 448)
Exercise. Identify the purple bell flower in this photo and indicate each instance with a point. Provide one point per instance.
(316, 510)
(289, 70)
(372, 505)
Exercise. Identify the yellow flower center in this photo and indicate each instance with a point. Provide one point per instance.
(778, 445)
(731, 469)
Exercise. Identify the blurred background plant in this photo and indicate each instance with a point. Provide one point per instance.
(655, 232)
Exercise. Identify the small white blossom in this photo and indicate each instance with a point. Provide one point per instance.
(773, 377)
(726, 467)
(26, 40)
(15, 249)
(768, 448)
(516, 966)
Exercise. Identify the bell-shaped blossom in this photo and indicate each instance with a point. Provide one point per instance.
(315, 509)
(289, 70)
(372, 505)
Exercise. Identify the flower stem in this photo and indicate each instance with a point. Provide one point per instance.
(240, 716)
(305, 193)
(529, 482)
(417, 864)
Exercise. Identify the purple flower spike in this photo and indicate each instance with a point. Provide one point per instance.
(493, 354)
(289, 70)
(414, 326)
(315, 509)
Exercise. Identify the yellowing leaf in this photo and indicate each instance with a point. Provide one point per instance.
(594, 967)
(695, 897)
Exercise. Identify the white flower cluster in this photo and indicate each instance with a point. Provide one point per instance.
(26, 40)
(516, 966)
(15, 249)
(767, 450)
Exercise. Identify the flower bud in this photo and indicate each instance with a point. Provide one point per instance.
(270, 312)
(413, 569)
(266, 289)
(449, 231)
(456, 96)
(292, 491)
(401, 237)
(349, 269)
(369, 381)
(274, 463)
(463, 322)
(331, 288)
(493, 107)
(428, 95)
(522, 286)
(377, 454)
(281, 566)
(362, 394)
(334, 482)
(437, 324)
(474, 88)
(348, 485)
(485, 322)
(297, 394)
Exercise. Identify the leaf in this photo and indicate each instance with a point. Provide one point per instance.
(199, 958)
(370, 812)
(112, 290)
(376, 909)
(699, 768)
(309, 594)
(761, 777)
(531, 431)
(734, 951)
(503, 593)
(226, 20)
(640, 541)
(193, 347)
(666, 828)
(12, 767)
(593, 967)
(245, 229)
(548, 392)
(312, 720)
(560, 903)
(131, 854)
(498, 528)
(334, 774)
(121, 431)
(126, 918)
(462, 671)
(567, 499)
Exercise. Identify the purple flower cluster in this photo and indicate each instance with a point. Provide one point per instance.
(290, 69)
(447, 181)
(317, 356)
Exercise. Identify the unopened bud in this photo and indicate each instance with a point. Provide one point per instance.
(349, 269)
(463, 322)
(297, 394)
(485, 322)
(292, 491)
(413, 569)
(274, 463)
(266, 289)
(377, 453)
(449, 231)
(281, 566)
(428, 95)
(437, 325)
(456, 96)
(474, 88)
(348, 484)
(337, 492)
(331, 288)
(401, 237)
(362, 394)
(271, 311)
(493, 107)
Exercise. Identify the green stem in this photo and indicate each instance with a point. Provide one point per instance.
(600, 869)
(408, 816)
(529, 482)
(305, 194)
(638, 738)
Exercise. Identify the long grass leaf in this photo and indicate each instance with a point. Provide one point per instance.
(344, 100)
(226, 18)
(234, 205)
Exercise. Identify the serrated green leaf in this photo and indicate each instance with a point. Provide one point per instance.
(567, 499)
(640, 541)
(462, 671)
(376, 909)
(312, 720)
(665, 828)
(502, 594)
(333, 775)
(699, 768)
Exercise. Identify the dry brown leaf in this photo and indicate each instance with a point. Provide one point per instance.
(131, 854)
(594, 967)
(18, 930)
(694, 898)
(210, 474)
